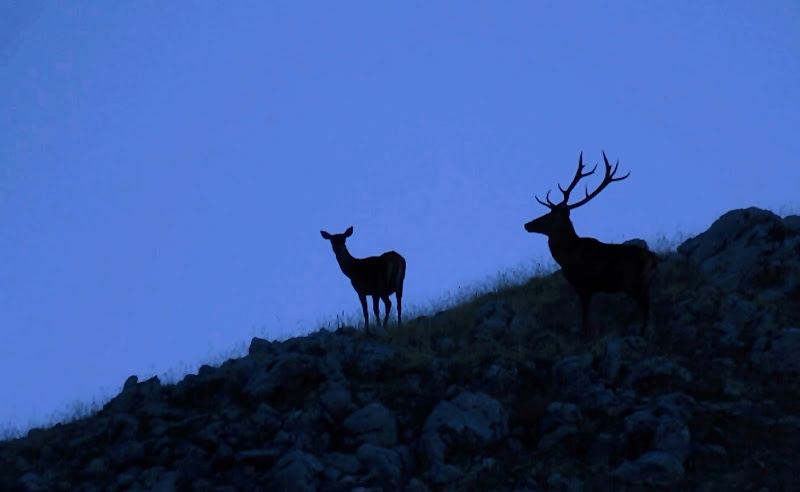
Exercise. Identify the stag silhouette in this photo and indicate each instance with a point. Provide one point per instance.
(590, 265)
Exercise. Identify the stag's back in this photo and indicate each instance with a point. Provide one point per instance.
(601, 267)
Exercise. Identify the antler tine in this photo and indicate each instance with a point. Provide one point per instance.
(616, 165)
(607, 179)
(549, 204)
(578, 176)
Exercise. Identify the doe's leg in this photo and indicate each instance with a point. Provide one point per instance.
(399, 307)
(363, 299)
(376, 310)
(388, 305)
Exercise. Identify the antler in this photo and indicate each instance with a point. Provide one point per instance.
(607, 179)
(579, 174)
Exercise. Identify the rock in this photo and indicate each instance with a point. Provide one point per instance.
(122, 426)
(336, 401)
(734, 247)
(470, 419)
(444, 345)
(346, 463)
(266, 420)
(523, 323)
(600, 452)
(126, 481)
(778, 354)
(295, 471)
(432, 449)
(477, 416)
(638, 242)
(384, 465)
(133, 395)
(293, 373)
(713, 453)
(738, 311)
(662, 428)
(611, 363)
(443, 474)
(126, 454)
(658, 371)
(150, 477)
(331, 366)
(501, 378)
(308, 428)
(261, 458)
(677, 404)
(260, 347)
(640, 422)
(672, 436)
(792, 223)
(572, 367)
(416, 485)
(551, 439)
(638, 430)
(98, 466)
(374, 424)
(592, 395)
(167, 482)
(655, 468)
(559, 414)
(728, 335)
(492, 321)
(374, 360)
(784, 431)
(740, 226)
(498, 311)
(192, 460)
(558, 483)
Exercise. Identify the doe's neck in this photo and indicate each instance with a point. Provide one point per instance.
(344, 258)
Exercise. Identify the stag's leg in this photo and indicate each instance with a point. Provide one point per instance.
(387, 303)
(363, 299)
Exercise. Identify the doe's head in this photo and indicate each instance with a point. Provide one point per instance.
(337, 240)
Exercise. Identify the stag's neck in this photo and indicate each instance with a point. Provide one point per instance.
(563, 244)
(345, 260)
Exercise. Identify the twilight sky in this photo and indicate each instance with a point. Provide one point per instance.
(165, 168)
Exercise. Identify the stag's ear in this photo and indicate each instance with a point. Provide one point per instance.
(348, 232)
(325, 235)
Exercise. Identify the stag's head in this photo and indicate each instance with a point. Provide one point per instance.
(337, 240)
(557, 222)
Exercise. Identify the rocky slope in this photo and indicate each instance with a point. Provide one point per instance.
(498, 394)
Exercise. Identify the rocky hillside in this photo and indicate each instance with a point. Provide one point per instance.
(498, 394)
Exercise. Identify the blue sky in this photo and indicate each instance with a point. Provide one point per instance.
(165, 169)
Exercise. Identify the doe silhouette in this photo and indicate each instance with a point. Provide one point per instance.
(590, 265)
(376, 276)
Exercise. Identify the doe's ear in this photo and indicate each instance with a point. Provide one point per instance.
(348, 232)
(325, 235)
